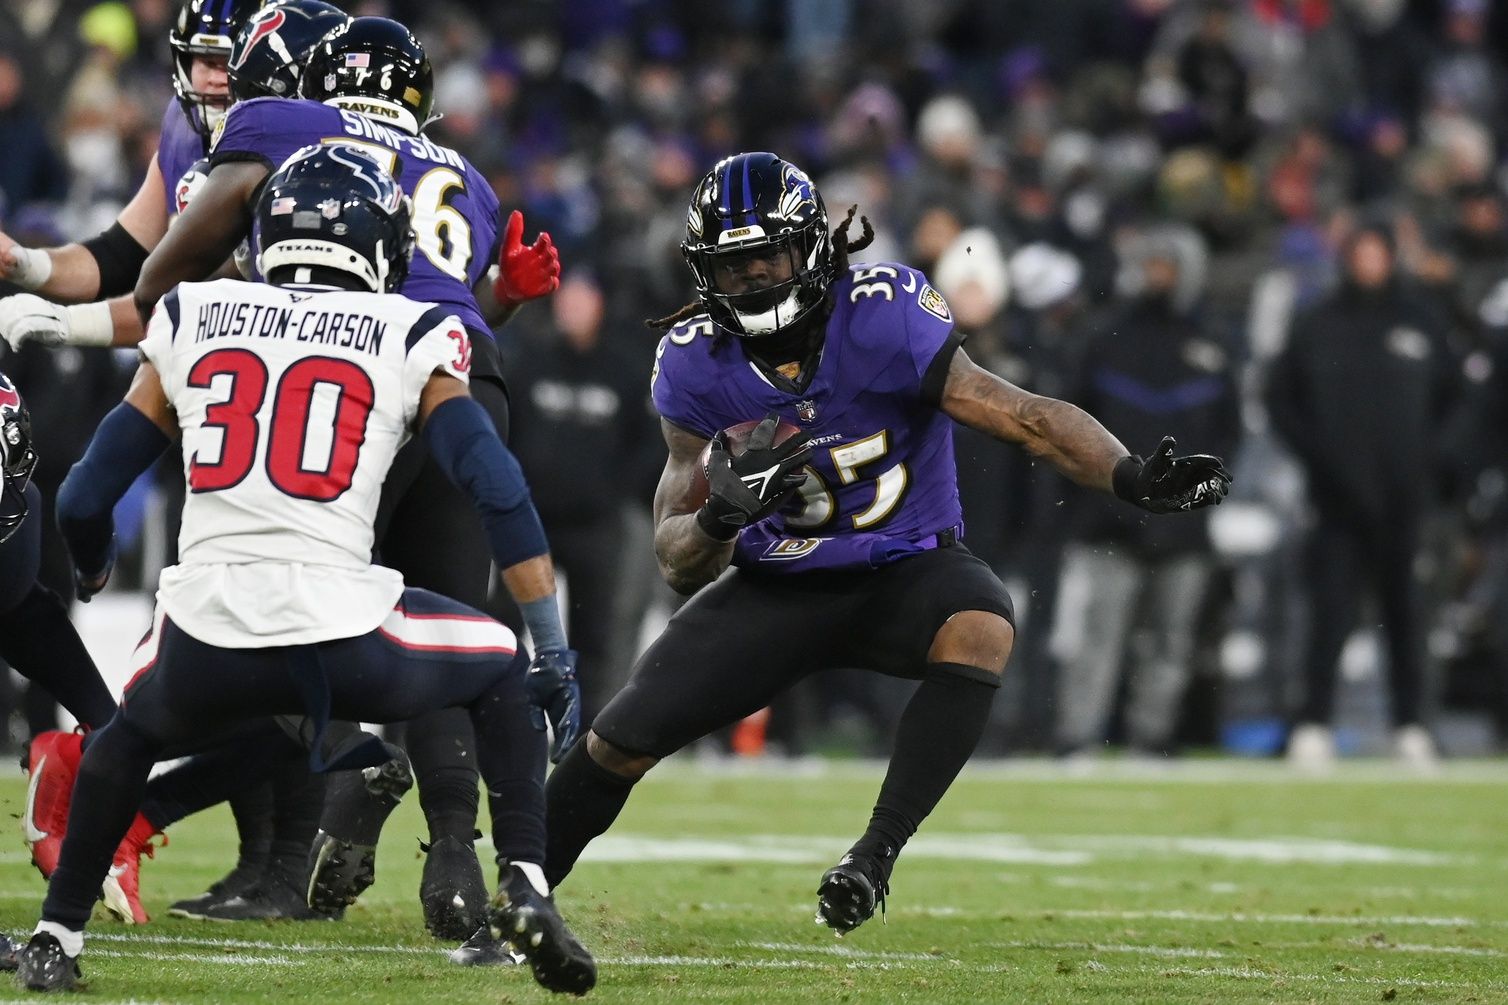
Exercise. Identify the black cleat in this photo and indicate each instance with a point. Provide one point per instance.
(850, 891)
(452, 890)
(482, 950)
(43, 966)
(238, 882)
(343, 859)
(275, 898)
(528, 920)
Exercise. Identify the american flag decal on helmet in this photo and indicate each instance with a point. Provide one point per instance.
(361, 59)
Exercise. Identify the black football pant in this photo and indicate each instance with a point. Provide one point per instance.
(1344, 561)
(36, 636)
(748, 637)
(429, 530)
(445, 656)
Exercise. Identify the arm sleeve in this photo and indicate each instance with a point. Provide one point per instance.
(125, 445)
(463, 442)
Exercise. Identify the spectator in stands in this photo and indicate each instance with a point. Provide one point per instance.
(1360, 395)
(580, 427)
(1133, 587)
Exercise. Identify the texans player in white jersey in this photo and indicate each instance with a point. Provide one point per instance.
(292, 400)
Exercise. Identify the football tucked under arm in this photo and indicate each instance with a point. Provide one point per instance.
(737, 439)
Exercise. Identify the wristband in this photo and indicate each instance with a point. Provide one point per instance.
(715, 528)
(542, 617)
(88, 324)
(32, 269)
(1123, 477)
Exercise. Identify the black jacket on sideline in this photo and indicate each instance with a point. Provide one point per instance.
(582, 429)
(1361, 394)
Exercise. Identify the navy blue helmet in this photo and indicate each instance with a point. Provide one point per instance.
(267, 60)
(333, 206)
(756, 204)
(205, 28)
(375, 66)
(17, 458)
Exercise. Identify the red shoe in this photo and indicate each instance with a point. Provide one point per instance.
(122, 887)
(53, 765)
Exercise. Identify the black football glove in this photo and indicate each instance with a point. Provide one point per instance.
(554, 693)
(747, 488)
(1168, 484)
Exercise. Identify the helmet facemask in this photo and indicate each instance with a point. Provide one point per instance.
(762, 312)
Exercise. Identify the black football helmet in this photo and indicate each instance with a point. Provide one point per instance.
(268, 57)
(374, 66)
(334, 206)
(758, 203)
(17, 458)
(205, 28)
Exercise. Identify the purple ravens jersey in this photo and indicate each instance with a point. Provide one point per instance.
(455, 210)
(177, 148)
(881, 483)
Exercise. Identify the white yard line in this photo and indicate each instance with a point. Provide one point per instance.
(230, 958)
(1240, 917)
(1040, 849)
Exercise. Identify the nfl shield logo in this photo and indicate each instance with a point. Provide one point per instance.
(807, 411)
(329, 209)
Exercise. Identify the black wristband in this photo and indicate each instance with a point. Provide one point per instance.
(715, 528)
(119, 257)
(1123, 478)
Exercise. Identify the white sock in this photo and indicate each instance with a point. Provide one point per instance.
(71, 941)
(536, 875)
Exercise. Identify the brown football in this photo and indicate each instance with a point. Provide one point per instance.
(738, 439)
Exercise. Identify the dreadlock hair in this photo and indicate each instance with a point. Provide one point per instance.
(841, 247)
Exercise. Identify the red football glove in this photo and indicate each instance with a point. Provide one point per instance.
(525, 273)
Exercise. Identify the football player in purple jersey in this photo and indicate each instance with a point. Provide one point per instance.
(846, 538)
(370, 82)
(86, 275)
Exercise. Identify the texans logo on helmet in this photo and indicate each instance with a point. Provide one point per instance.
(8, 396)
(267, 22)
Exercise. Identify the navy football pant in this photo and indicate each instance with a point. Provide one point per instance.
(429, 653)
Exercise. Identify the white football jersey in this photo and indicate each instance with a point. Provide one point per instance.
(292, 404)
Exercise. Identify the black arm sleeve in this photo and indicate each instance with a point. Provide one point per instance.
(120, 259)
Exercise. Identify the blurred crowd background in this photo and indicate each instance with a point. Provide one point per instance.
(1274, 229)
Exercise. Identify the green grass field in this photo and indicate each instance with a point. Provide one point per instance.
(1211, 882)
